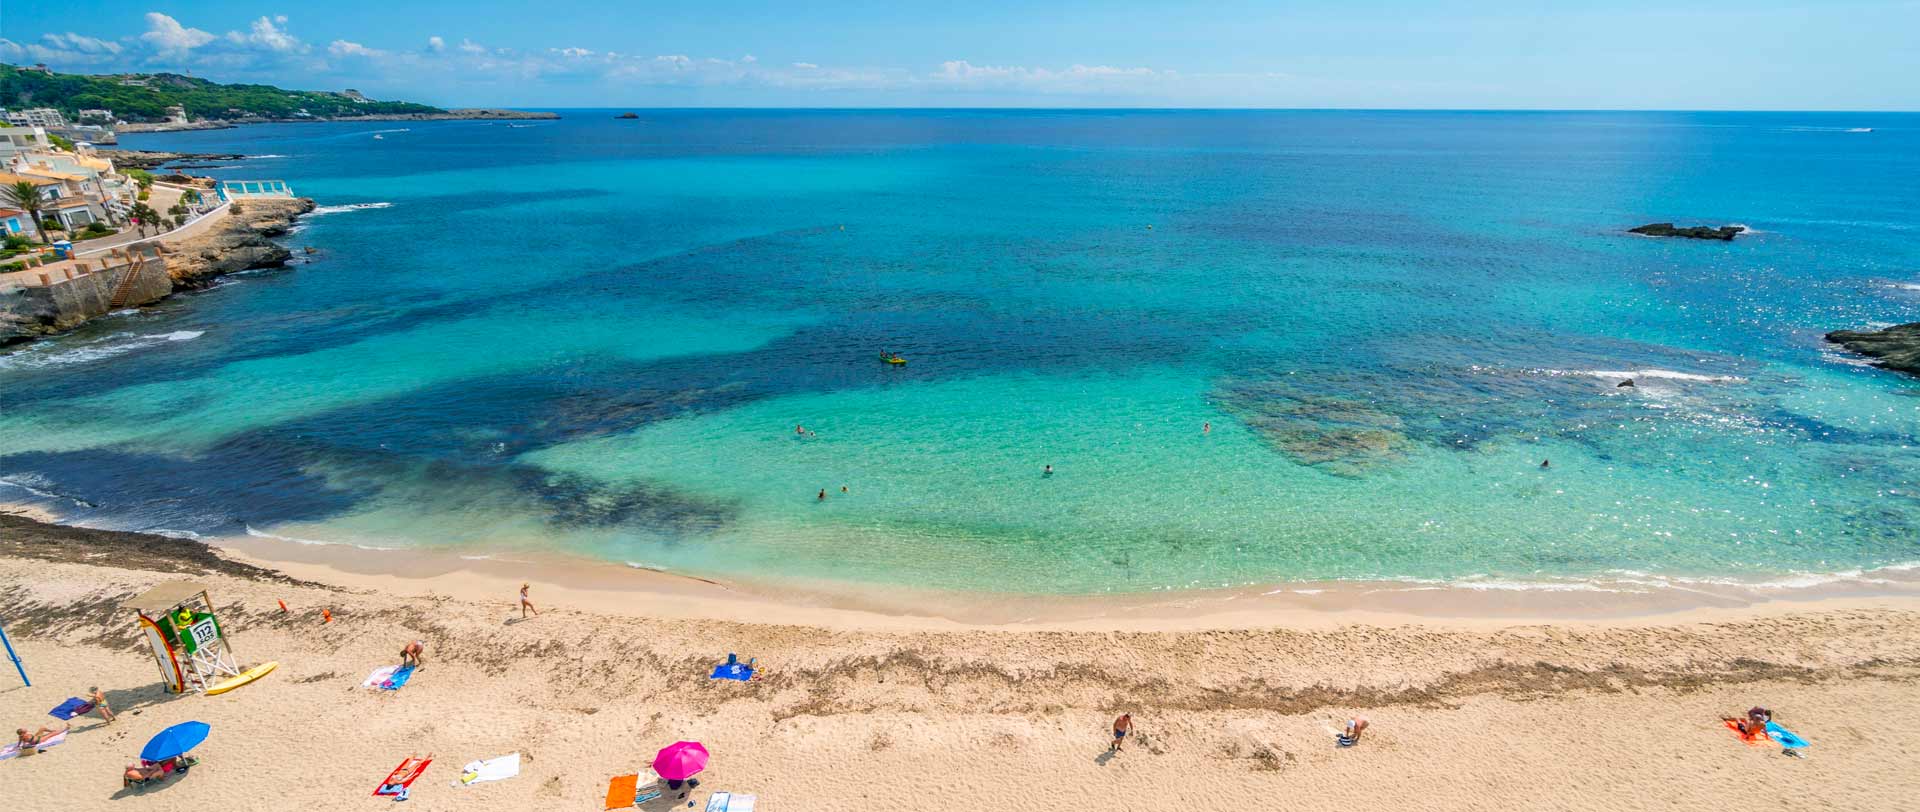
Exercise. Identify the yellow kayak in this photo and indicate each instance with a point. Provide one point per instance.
(249, 675)
(897, 361)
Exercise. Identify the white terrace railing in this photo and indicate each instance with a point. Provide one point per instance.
(235, 189)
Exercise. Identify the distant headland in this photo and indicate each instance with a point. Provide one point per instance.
(97, 107)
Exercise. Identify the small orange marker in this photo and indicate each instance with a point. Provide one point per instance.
(326, 616)
(283, 607)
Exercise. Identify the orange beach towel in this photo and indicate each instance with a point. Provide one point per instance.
(621, 790)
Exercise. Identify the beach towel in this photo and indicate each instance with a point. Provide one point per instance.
(493, 769)
(402, 777)
(1754, 738)
(379, 676)
(13, 749)
(620, 791)
(399, 679)
(1784, 737)
(729, 802)
(733, 669)
(74, 706)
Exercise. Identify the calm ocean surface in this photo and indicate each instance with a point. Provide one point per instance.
(597, 337)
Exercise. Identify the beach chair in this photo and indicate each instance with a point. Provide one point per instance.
(401, 779)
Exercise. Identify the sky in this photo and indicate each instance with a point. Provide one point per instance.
(1495, 54)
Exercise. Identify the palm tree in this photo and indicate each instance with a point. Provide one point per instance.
(23, 195)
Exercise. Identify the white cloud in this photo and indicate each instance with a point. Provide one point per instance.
(805, 65)
(168, 36)
(341, 47)
(264, 34)
(79, 43)
(571, 53)
(436, 44)
(472, 47)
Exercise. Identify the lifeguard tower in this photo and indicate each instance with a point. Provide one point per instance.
(187, 641)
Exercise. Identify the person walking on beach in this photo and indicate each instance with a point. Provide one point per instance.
(526, 605)
(1121, 727)
(410, 654)
(99, 701)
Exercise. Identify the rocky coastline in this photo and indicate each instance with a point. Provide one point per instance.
(460, 114)
(1896, 348)
(240, 241)
(150, 160)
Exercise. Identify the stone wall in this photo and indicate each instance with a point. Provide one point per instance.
(28, 312)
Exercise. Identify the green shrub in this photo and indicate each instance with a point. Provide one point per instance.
(17, 242)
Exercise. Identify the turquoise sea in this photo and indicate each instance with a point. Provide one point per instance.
(597, 337)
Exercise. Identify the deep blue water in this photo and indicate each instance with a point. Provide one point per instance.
(597, 337)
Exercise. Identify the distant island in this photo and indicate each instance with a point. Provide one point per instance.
(628, 115)
(1726, 233)
(147, 102)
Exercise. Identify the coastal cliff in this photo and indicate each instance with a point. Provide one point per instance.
(242, 242)
(238, 242)
(1896, 348)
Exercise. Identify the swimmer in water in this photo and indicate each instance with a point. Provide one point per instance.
(1206, 427)
(843, 489)
(823, 494)
(1048, 471)
(1546, 463)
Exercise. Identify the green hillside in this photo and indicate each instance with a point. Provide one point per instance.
(70, 93)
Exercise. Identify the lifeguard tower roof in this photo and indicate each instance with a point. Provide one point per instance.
(163, 597)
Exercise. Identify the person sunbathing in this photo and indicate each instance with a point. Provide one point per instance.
(142, 771)
(36, 738)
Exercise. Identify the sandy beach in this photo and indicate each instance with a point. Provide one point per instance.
(863, 710)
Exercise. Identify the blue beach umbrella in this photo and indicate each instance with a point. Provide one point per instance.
(175, 741)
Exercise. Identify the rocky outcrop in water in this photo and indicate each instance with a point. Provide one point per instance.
(145, 159)
(239, 243)
(1725, 233)
(1896, 348)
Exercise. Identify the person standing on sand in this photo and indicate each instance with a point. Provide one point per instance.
(526, 605)
(410, 654)
(1121, 727)
(99, 701)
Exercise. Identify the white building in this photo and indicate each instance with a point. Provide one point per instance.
(97, 115)
(176, 115)
(37, 117)
(17, 140)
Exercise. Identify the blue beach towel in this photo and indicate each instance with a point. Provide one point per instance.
(399, 679)
(733, 669)
(1785, 737)
(74, 706)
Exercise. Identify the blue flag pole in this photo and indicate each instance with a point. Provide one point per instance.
(15, 658)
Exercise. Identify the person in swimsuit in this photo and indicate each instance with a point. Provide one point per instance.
(138, 771)
(823, 494)
(29, 741)
(410, 654)
(1121, 727)
(99, 701)
(1546, 463)
(1355, 727)
(526, 605)
(1048, 471)
(1206, 427)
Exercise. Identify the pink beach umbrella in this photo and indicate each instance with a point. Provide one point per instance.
(680, 760)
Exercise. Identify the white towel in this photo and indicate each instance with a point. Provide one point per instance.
(380, 675)
(493, 769)
(12, 750)
(729, 802)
